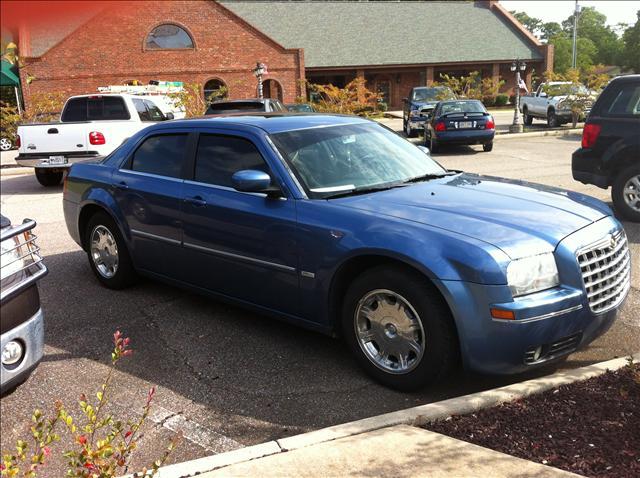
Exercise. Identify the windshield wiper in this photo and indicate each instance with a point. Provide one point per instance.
(428, 177)
(364, 190)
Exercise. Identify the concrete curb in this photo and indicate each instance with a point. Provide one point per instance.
(533, 134)
(415, 416)
(15, 171)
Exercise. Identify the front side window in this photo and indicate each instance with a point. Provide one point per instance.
(162, 155)
(141, 109)
(154, 112)
(219, 157)
(337, 159)
(168, 36)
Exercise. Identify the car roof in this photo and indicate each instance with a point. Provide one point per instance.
(625, 78)
(246, 100)
(125, 95)
(277, 122)
(463, 100)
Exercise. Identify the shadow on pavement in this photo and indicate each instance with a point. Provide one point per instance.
(26, 184)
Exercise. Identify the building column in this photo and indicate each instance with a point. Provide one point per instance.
(429, 75)
(360, 75)
(527, 78)
(495, 73)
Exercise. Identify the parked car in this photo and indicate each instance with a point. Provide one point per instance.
(340, 225)
(251, 105)
(419, 105)
(300, 108)
(460, 122)
(90, 126)
(552, 102)
(22, 320)
(610, 152)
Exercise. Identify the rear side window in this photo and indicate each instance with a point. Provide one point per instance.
(162, 155)
(95, 109)
(219, 157)
(626, 102)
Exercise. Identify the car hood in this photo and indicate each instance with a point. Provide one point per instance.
(520, 218)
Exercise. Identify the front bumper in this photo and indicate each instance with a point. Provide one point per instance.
(416, 122)
(481, 136)
(31, 335)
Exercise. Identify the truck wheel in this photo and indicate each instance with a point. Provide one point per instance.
(433, 145)
(626, 193)
(408, 131)
(108, 255)
(48, 178)
(487, 147)
(399, 328)
(552, 119)
(5, 144)
(528, 120)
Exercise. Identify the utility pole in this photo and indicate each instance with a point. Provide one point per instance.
(574, 57)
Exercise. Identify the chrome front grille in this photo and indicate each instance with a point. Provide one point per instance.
(606, 271)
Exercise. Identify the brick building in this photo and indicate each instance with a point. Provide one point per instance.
(198, 42)
(393, 45)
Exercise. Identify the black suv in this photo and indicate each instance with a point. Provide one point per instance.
(610, 152)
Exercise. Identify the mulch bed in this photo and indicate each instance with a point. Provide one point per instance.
(591, 428)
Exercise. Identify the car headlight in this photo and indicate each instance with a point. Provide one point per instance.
(532, 274)
(10, 257)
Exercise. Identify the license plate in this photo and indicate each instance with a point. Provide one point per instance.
(57, 160)
(465, 124)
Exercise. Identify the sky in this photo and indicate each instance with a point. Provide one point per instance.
(617, 11)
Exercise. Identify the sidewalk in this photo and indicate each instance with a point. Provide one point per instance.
(394, 452)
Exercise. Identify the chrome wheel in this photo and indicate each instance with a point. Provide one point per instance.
(104, 251)
(5, 144)
(389, 331)
(631, 193)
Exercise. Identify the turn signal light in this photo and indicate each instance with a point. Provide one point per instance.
(95, 137)
(590, 134)
(490, 124)
(503, 314)
(440, 126)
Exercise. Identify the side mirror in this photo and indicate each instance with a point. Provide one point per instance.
(404, 100)
(253, 181)
(169, 116)
(425, 150)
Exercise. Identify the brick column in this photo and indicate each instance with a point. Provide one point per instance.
(360, 74)
(495, 72)
(429, 75)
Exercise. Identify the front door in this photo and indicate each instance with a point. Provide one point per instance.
(384, 90)
(242, 245)
(148, 190)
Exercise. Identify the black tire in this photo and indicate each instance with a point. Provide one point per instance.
(622, 202)
(528, 120)
(48, 178)
(552, 119)
(410, 133)
(440, 340)
(487, 147)
(125, 274)
(433, 145)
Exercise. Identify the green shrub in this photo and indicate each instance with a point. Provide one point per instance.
(489, 100)
(502, 100)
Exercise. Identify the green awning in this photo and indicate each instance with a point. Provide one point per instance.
(7, 76)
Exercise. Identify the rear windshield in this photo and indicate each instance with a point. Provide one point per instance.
(461, 107)
(95, 109)
(250, 106)
(437, 93)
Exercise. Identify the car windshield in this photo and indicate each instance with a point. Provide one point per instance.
(432, 94)
(334, 160)
(462, 107)
(565, 89)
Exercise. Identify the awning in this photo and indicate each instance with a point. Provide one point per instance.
(7, 75)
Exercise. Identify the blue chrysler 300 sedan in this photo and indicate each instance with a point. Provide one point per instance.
(340, 225)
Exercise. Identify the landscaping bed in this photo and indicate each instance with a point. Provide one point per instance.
(591, 427)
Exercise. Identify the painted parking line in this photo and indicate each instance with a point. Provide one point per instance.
(208, 439)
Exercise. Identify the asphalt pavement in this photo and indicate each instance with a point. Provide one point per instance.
(227, 377)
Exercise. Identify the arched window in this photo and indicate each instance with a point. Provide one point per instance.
(168, 37)
(215, 90)
(272, 89)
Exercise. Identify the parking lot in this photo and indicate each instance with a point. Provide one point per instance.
(231, 378)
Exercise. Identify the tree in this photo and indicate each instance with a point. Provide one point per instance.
(532, 24)
(563, 47)
(592, 25)
(630, 57)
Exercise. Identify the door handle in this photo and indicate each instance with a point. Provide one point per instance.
(196, 201)
(121, 185)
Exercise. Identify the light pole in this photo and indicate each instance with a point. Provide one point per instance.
(517, 127)
(574, 51)
(258, 71)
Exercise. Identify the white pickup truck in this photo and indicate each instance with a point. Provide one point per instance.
(90, 126)
(552, 102)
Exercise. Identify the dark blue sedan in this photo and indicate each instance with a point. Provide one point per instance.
(338, 224)
(460, 122)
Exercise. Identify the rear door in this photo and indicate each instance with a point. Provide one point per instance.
(148, 189)
(239, 244)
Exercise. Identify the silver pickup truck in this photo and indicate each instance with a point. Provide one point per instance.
(552, 102)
